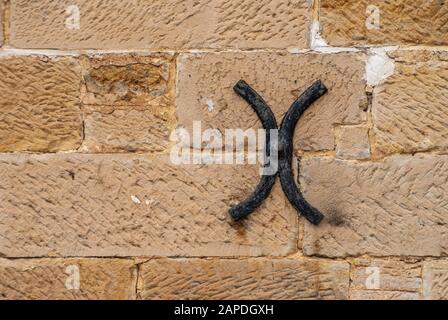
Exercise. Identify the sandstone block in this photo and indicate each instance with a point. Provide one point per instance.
(2, 8)
(160, 24)
(409, 110)
(64, 279)
(205, 93)
(352, 142)
(385, 279)
(135, 205)
(361, 22)
(40, 104)
(128, 102)
(390, 207)
(243, 279)
(435, 281)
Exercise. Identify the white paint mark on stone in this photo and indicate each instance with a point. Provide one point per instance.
(210, 105)
(318, 43)
(73, 17)
(379, 66)
(135, 200)
(316, 37)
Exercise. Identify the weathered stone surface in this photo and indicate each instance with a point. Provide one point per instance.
(409, 109)
(384, 295)
(127, 79)
(352, 142)
(353, 22)
(205, 93)
(40, 104)
(380, 279)
(128, 102)
(393, 207)
(160, 24)
(44, 279)
(2, 8)
(128, 130)
(435, 280)
(127, 205)
(243, 279)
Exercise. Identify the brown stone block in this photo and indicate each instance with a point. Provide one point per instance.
(160, 24)
(40, 104)
(204, 91)
(135, 205)
(390, 207)
(361, 22)
(66, 279)
(243, 279)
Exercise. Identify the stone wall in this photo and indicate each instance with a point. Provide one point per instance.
(91, 207)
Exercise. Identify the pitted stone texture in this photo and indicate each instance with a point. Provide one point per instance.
(131, 205)
(384, 295)
(160, 24)
(126, 80)
(2, 8)
(352, 142)
(42, 279)
(279, 79)
(409, 109)
(351, 22)
(128, 130)
(128, 102)
(393, 207)
(39, 104)
(243, 279)
(435, 280)
(380, 279)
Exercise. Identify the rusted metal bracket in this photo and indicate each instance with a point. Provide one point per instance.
(285, 151)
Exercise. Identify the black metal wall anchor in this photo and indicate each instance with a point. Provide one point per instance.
(285, 151)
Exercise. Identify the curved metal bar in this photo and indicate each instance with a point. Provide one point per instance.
(286, 134)
(268, 121)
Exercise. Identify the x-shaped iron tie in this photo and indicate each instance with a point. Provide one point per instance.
(285, 151)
